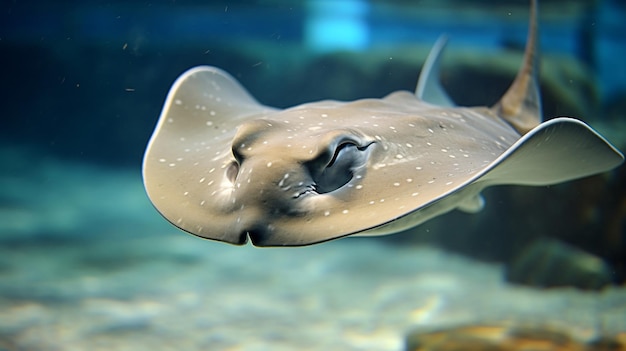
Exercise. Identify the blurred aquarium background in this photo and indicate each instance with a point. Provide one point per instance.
(86, 263)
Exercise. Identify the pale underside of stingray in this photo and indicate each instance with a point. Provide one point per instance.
(224, 167)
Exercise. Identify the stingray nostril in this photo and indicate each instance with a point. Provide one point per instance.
(232, 171)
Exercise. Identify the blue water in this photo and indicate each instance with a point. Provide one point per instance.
(87, 263)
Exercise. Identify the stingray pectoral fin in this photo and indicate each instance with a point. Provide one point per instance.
(555, 151)
(189, 158)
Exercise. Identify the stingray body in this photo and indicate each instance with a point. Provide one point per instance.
(222, 166)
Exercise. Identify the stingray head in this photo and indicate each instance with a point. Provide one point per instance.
(224, 167)
(283, 177)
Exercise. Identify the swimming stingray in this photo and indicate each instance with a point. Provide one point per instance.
(222, 166)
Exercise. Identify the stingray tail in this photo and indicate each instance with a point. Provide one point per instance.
(521, 104)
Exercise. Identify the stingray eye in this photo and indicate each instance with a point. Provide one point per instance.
(339, 169)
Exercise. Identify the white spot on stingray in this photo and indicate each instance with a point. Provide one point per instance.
(162, 160)
(359, 186)
(185, 193)
(202, 203)
(451, 156)
(415, 194)
(345, 211)
(326, 213)
(398, 156)
(202, 180)
(431, 131)
(371, 202)
(448, 183)
(172, 165)
(269, 164)
(431, 181)
(212, 113)
(418, 168)
(408, 145)
(396, 184)
(409, 180)
(178, 102)
(212, 170)
(444, 150)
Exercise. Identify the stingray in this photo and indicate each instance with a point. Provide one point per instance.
(222, 166)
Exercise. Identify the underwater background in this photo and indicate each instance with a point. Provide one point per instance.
(86, 262)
